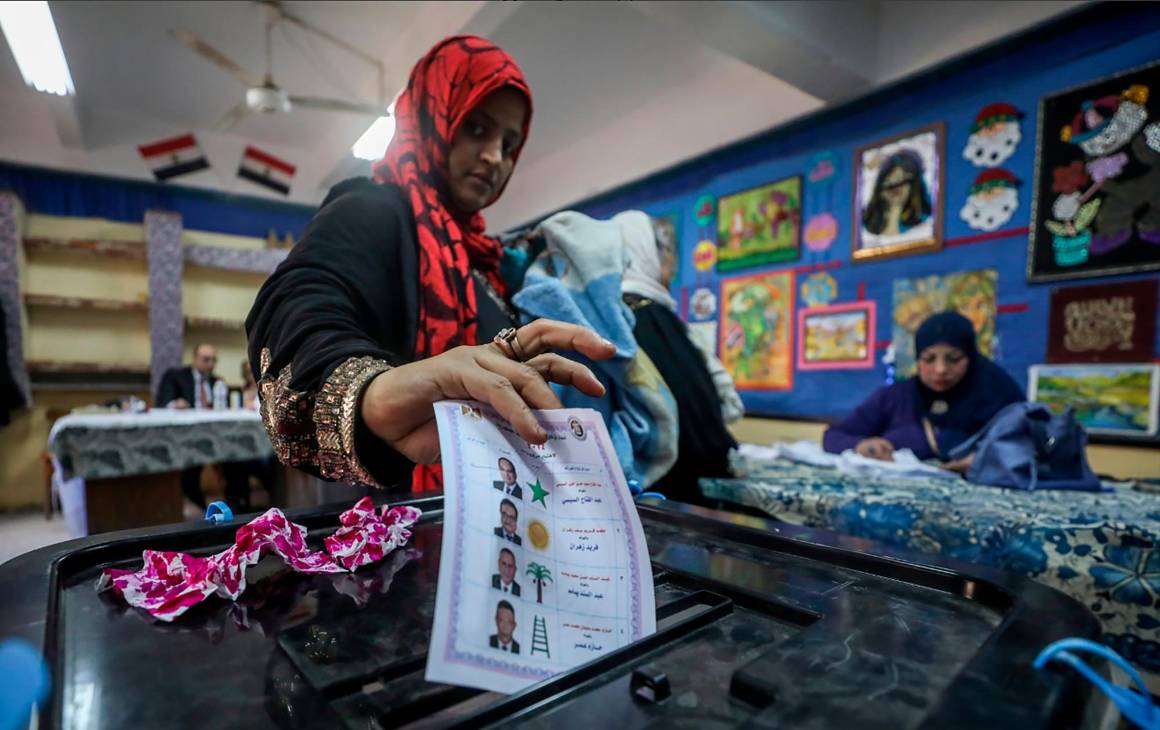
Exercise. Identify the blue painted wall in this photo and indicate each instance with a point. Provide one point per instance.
(1109, 40)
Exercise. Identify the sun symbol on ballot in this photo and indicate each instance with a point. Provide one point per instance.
(538, 535)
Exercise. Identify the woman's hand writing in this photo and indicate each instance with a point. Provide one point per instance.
(397, 405)
(876, 447)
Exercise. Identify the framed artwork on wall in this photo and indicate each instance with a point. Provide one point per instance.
(972, 294)
(760, 226)
(836, 337)
(1117, 400)
(1096, 205)
(756, 333)
(1113, 322)
(898, 195)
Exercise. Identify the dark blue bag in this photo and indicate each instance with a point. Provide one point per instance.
(1026, 446)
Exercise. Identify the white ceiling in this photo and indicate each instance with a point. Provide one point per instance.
(621, 89)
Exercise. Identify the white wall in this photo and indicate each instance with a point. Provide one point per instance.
(914, 35)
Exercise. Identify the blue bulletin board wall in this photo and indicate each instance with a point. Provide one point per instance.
(1098, 41)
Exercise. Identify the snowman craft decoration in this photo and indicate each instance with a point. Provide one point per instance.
(992, 200)
(994, 135)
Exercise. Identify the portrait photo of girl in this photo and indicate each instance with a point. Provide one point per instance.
(898, 203)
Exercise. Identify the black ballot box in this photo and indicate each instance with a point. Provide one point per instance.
(759, 625)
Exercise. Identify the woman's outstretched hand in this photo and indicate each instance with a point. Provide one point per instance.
(397, 405)
(876, 447)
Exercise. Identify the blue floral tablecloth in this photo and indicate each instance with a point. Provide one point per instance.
(1101, 548)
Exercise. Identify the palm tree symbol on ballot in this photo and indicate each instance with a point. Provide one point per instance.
(540, 575)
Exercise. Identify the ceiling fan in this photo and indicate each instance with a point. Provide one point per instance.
(263, 94)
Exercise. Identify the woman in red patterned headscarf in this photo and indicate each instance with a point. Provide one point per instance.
(393, 298)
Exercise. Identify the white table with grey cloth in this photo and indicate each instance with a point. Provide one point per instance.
(106, 446)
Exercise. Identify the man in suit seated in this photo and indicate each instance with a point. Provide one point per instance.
(508, 484)
(190, 387)
(504, 580)
(509, 522)
(505, 627)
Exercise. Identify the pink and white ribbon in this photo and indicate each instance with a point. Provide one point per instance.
(169, 583)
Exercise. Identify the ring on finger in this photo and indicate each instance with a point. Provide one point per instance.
(507, 341)
(521, 355)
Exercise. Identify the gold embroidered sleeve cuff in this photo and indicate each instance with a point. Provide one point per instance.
(335, 416)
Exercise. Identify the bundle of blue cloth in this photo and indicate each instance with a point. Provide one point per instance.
(576, 279)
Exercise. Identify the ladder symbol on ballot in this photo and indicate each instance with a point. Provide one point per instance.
(540, 636)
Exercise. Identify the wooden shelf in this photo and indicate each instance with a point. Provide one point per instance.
(131, 250)
(38, 367)
(88, 376)
(229, 325)
(109, 305)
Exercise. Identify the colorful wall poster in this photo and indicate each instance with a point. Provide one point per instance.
(1096, 206)
(1103, 323)
(898, 195)
(756, 333)
(1116, 400)
(839, 336)
(759, 226)
(970, 293)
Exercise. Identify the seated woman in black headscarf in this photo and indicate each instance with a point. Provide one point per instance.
(956, 393)
(704, 392)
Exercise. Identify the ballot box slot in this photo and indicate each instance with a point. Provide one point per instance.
(990, 594)
(779, 610)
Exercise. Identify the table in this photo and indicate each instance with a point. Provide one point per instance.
(1101, 548)
(115, 471)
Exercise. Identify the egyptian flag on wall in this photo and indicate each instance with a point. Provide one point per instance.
(266, 170)
(175, 156)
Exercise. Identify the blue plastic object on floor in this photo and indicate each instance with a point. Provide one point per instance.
(1134, 704)
(218, 512)
(25, 684)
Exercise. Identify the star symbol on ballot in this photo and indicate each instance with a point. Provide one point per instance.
(538, 492)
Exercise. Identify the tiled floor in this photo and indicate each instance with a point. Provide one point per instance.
(28, 530)
(24, 531)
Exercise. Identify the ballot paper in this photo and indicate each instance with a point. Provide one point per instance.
(544, 564)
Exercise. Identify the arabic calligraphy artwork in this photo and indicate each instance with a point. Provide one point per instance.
(1103, 322)
(757, 330)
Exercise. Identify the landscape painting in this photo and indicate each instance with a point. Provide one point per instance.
(1108, 399)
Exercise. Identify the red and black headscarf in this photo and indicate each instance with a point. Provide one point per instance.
(445, 85)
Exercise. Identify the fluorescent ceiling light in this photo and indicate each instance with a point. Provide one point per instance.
(32, 37)
(373, 142)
